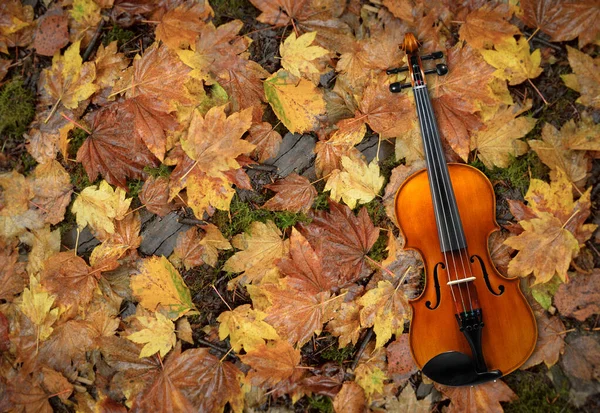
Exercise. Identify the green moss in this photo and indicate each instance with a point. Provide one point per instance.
(134, 186)
(226, 10)
(320, 203)
(378, 251)
(77, 136)
(321, 404)
(536, 394)
(16, 110)
(122, 36)
(338, 355)
(518, 173)
(376, 211)
(79, 178)
(27, 162)
(161, 171)
(387, 166)
(242, 214)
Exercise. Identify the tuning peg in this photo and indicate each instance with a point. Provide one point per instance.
(433, 56)
(396, 87)
(396, 70)
(441, 69)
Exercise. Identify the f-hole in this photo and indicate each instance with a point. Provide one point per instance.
(486, 277)
(436, 283)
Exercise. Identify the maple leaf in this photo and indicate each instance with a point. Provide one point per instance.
(297, 314)
(579, 297)
(109, 64)
(158, 335)
(215, 140)
(12, 273)
(584, 78)
(563, 20)
(294, 193)
(193, 380)
(125, 238)
(488, 26)
(159, 285)
(297, 54)
(261, 245)
(155, 196)
(98, 205)
(193, 249)
(245, 328)
(266, 139)
(582, 358)
(69, 80)
(350, 399)
(52, 33)
(344, 240)
(37, 305)
(498, 141)
(110, 150)
(550, 342)
(356, 183)
(179, 27)
(69, 278)
(271, 363)
(345, 324)
(296, 102)
(565, 150)
(385, 308)
(52, 187)
(400, 362)
(370, 373)
(44, 243)
(303, 267)
(484, 397)
(341, 143)
(513, 61)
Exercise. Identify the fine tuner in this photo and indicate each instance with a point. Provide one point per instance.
(440, 69)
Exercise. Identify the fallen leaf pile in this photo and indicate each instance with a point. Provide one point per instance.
(182, 120)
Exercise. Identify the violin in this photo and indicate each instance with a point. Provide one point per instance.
(470, 325)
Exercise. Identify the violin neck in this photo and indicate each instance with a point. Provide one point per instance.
(449, 225)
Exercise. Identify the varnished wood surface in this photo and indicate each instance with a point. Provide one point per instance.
(510, 334)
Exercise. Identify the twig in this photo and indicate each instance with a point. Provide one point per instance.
(79, 125)
(94, 42)
(542, 41)
(266, 168)
(191, 221)
(362, 347)
(537, 90)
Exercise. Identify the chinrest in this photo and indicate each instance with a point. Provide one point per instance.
(454, 368)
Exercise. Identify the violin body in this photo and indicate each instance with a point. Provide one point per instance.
(509, 335)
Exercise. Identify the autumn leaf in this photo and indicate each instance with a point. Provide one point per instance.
(400, 361)
(385, 308)
(582, 358)
(98, 205)
(271, 363)
(565, 150)
(37, 305)
(13, 277)
(51, 185)
(179, 27)
(483, 397)
(155, 196)
(215, 140)
(266, 139)
(584, 78)
(498, 141)
(296, 102)
(550, 342)
(193, 249)
(294, 193)
(513, 61)
(245, 328)
(341, 143)
(159, 285)
(356, 183)
(350, 399)
(110, 150)
(125, 238)
(109, 64)
(579, 297)
(69, 80)
(44, 243)
(345, 324)
(345, 240)
(297, 54)
(260, 246)
(370, 373)
(488, 26)
(158, 335)
(52, 33)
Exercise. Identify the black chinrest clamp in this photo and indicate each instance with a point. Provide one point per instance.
(454, 368)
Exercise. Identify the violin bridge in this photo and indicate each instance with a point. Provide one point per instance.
(462, 280)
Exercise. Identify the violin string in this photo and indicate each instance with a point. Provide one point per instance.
(448, 199)
(436, 204)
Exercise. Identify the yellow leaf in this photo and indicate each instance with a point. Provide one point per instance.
(98, 206)
(370, 378)
(213, 241)
(297, 54)
(205, 191)
(499, 139)
(245, 328)
(84, 10)
(356, 183)
(44, 243)
(385, 309)
(159, 335)
(513, 61)
(261, 245)
(585, 78)
(36, 305)
(159, 285)
(296, 102)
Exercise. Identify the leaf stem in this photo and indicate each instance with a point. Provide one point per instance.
(221, 297)
(533, 34)
(80, 126)
(53, 110)
(538, 92)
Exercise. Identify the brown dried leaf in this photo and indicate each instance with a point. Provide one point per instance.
(350, 399)
(584, 78)
(155, 196)
(487, 26)
(12, 273)
(266, 139)
(294, 193)
(483, 397)
(345, 324)
(52, 187)
(52, 33)
(582, 358)
(400, 362)
(550, 343)
(271, 363)
(179, 27)
(580, 297)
